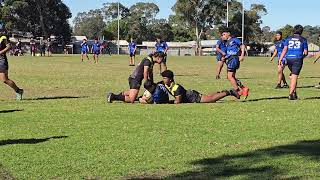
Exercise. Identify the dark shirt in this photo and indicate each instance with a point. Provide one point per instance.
(138, 73)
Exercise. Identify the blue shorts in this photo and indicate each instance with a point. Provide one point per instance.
(233, 64)
(84, 52)
(295, 65)
(96, 52)
(132, 54)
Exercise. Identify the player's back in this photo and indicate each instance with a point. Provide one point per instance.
(296, 45)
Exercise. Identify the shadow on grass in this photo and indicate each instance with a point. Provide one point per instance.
(311, 77)
(312, 98)
(258, 164)
(56, 97)
(265, 99)
(305, 87)
(28, 141)
(11, 111)
(187, 75)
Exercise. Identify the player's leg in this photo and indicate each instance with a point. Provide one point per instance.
(82, 56)
(132, 96)
(295, 66)
(4, 77)
(219, 68)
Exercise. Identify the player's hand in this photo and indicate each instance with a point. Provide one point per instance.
(271, 59)
(314, 61)
(280, 63)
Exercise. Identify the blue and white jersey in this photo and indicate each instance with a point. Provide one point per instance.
(222, 45)
(132, 46)
(233, 47)
(160, 95)
(96, 47)
(296, 46)
(279, 46)
(161, 47)
(84, 47)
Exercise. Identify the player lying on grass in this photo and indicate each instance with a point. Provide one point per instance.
(143, 72)
(182, 95)
(154, 93)
(279, 48)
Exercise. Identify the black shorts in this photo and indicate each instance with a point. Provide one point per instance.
(134, 84)
(132, 54)
(193, 96)
(4, 66)
(295, 65)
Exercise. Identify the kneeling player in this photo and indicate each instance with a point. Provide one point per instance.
(154, 94)
(144, 71)
(191, 96)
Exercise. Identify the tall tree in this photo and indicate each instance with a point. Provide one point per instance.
(200, 14)
(90, 24)
(110, 11)
(42, 18)
(148, 11)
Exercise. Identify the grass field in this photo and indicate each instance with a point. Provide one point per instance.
(64, 129)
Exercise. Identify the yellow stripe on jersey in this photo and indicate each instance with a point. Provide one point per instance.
(172, 88)
(3, 38)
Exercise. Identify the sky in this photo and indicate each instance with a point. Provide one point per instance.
(280, 12)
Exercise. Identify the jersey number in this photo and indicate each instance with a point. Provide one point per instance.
(294, 45)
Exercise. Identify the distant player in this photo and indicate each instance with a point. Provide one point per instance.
(96, 50)
(4, 66)
(182, 95)
(221, 52)
(84, 50)
(132, 48)
(317, 57)
(162, 46)
(33, 47)
(49, 47)
(143, 72)
(234, 49)
(279, 48)
(295, 50)
(155, 93)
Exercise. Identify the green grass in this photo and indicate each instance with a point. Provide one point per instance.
(65, 129)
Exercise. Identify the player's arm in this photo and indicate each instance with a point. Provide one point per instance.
(135, 49)
(274, 54)
(151, 75)
(242, 47)
(219, 50)
(317, 57)
(146, 73)
(8, 47)
(143, 100)
(178, 99)
(167, 48)
(284, 52)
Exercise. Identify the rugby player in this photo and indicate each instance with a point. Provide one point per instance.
(143, 72)
(279, 48)
(182, 95)
(295, 50)
(4, 66)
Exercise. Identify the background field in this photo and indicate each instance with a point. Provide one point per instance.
(64, 129)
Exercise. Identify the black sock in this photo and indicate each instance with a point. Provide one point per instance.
(119, 97)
